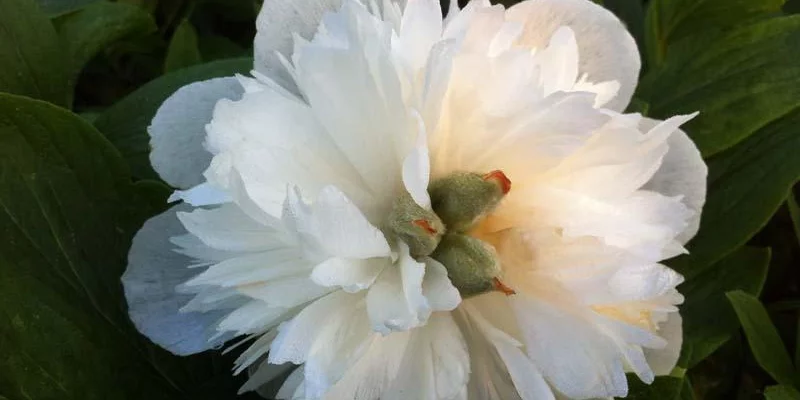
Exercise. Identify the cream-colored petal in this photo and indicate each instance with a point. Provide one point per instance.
(662, 361)
(607, 51)
(683, 173)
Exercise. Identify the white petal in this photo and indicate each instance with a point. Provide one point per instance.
(204, 194)
(417, 170)
(527, 378)
(343, 230)
(420, 28)
(341, 342)
(352, 275)
(337, 225)
(255, 316)
(154, 269)
(276, 24)
(287, 292)
(293, 388)
(250, 141)
(607, 51)
(437, 288)
(585, 364)
(253, 268)
(229, 228)
(395, 301)
(682, 173)
(177, 131)
(265, 373)
(355, 91)
(662, 361)
(435, 364)
(368, 378)
(296, 337)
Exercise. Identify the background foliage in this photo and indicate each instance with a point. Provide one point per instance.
(81, 79)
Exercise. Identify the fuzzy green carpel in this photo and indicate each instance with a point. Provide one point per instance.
(461, 199)
(419, 228)
(471, 264)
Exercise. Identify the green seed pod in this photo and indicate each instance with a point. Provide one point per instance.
(471, 264)
(419, 228)
(461, 199)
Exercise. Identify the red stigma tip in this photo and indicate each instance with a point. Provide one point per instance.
(501, 287)
(424, 224)
(501, 178)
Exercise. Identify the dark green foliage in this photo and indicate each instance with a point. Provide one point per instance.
(73, 193)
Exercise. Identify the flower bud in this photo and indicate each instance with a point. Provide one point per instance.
(419, 228)
(472, 265)
(463, 198)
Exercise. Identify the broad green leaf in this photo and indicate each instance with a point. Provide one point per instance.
(764, 340)
(68, 210)
(708, 320)
(94, 28)
(669, 22)
(215, 47)
(797, 343)
(31, 57)
(687, 391)
(746, 185)
(741, 81)
(125, 123)
(794, 212)
(54, 8)
(662, 388)
(183, 50)
(781, 392)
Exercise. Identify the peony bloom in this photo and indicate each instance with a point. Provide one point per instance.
(408, 206)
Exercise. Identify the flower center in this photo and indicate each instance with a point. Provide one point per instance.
(459, 202)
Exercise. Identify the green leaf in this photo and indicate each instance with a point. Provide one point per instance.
(94, 28)
(31, 54)
(675, 21)
(764, 340)
(662, 388)
(781, 392)
(68, 210)
(215, 47)
(708, 320)
(687, 391)
(54, 8)
(125, 123)
(183, 50)
(740, 81)
(794, 212)
(746, 185)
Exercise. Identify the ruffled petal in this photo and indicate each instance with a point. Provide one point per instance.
(586, 365)
(682, 173)
(662, 361)
(296, 337)
(336, 225)
(154, 270)
(352, 275)
(177, 132)
(350, 78)
(396, 302)
(437, 288)
(607, 51)
(277, 24)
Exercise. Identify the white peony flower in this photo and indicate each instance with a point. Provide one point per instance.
(417, 207)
